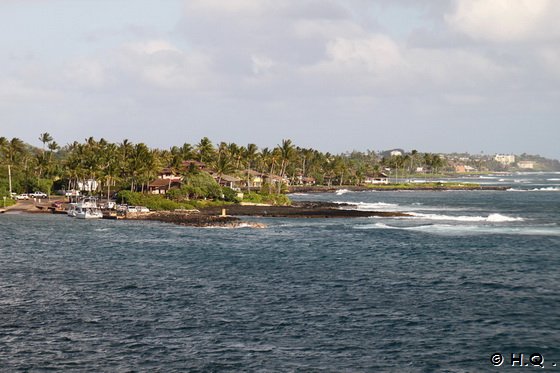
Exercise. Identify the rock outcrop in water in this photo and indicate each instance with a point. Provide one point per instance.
(212, 216)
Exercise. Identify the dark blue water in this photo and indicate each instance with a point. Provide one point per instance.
(469, 274)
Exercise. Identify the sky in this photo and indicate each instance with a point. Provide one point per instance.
(335, 75)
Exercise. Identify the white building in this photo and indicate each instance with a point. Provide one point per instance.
(526, 164)
(505, 159)
(88, 185)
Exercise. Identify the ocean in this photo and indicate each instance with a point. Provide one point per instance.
(469, 282)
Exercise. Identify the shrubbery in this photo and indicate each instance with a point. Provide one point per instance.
(271, 199)
(152, 201)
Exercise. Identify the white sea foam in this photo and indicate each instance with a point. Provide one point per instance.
(465, 230)
(383, 206)
(376, 225)
(493, 218)
(544, 189)
(341, 192)
(554, 179)
(373, 206)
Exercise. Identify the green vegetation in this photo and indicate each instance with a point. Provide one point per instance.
(206, 171)
(158, 202)
(269, 199)
(151, 201)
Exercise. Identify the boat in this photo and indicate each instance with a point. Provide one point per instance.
(85, 208)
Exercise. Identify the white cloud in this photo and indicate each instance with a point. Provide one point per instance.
(376, 53)
(506, 20)
(162, 64)
(230, 6)
(152, 46)
(86, 73)
(326, 28)
(550, 60)
(261, 64)
(18, 91)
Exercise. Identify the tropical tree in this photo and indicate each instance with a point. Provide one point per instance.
(205, 150)
(45, 138)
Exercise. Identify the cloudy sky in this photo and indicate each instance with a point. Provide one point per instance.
(336, 75)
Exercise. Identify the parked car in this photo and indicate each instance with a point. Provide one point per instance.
(38, 195)
(22, 196)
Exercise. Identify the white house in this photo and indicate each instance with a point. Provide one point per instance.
(526, 164)
(505, 159)
(379, 178)
(88, 185)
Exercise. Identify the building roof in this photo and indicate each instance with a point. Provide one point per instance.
(228, 178)
(158, 183)
(197, 164)
(167, 170)
(377, 175)
(254, 173)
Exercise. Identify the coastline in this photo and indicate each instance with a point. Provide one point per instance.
(212, 216)
(389, 188)
(230, 216)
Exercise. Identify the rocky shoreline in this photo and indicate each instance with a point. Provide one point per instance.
(230, 216)
(419, 187)
(300, 210)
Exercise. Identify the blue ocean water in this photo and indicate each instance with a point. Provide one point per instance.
(467, 275)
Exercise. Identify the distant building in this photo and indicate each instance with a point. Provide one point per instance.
(462, 168)
(167, 179)
(302, 180)
(395, 153)
(162, 186)
(192, 164)
(88, 185)
(505, 159)
(167, 173)
(229, 181)
(526, 164)
(379, 178)
(254, 179)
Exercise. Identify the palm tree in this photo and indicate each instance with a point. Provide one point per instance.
(45, 138)
(286, 152)
(250, 155)
(223, 166)
(205, 150)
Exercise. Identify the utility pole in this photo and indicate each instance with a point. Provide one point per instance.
(10, 179)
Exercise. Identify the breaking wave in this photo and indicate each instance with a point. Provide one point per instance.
(492, 218)
(373, 206)
(544, 189)
(383, 206)
(465, 230)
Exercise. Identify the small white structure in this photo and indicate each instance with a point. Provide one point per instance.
(526, 164)
(505, 159)
(88, 185)
(379, 178)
